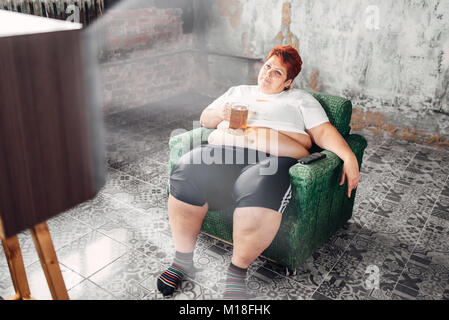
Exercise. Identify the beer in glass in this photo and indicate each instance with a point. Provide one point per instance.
(239, 116)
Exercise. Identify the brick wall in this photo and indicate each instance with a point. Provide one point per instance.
(87, 10)
(144, 57)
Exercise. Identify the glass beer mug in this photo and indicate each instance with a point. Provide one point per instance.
(239, 116)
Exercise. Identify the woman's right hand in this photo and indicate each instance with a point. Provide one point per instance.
(211, 118)
(225, 111)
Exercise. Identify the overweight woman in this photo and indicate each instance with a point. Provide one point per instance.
(248, 168)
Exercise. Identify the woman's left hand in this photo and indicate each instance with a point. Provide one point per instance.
(351, 174)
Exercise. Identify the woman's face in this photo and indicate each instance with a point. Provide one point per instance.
(273, 76)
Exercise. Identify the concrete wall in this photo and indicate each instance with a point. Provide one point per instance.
(389, 57)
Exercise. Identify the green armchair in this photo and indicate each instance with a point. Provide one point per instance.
(319, 205)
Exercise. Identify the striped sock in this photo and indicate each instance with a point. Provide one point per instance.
(235, 283)
(168, 281)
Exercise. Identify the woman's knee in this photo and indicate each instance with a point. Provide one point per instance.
(254, 217)
(254, 230)
(175, 205)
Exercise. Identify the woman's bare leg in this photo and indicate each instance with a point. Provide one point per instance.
(185, 222)
(253, 231)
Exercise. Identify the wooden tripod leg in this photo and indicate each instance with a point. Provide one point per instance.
(16, 268)
(49, 261)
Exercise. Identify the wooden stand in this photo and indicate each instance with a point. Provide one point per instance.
(49, 262)
(40, 176)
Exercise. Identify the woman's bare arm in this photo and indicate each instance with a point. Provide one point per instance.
(210, 118)
(327, 137)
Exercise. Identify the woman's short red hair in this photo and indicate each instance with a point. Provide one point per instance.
(290, 59)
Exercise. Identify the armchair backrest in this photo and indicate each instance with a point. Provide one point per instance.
(338, 110)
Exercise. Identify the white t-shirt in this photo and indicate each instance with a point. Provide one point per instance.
(294, 110)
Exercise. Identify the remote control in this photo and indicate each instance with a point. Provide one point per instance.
(312, 158)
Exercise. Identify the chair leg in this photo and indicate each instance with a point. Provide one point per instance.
(49, 261)
(290, 272)
(14, 258)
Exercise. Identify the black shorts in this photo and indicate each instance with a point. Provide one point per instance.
(225, 176)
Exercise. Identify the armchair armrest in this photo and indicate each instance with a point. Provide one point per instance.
(319, 206)
(307, 174)
(184, 142)
(311, 180)
(320, 203)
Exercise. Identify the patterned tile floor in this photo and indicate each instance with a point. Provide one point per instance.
(114, 246)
